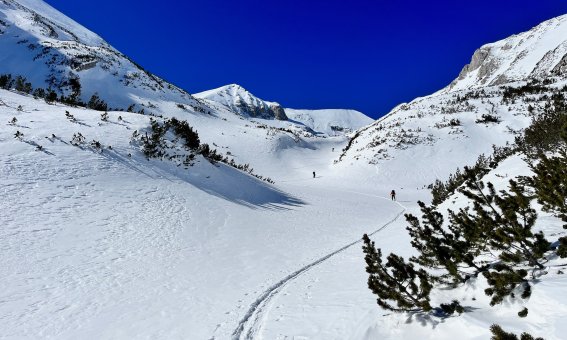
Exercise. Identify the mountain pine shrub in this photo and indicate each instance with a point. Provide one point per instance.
(96, 103)
(492, 236)
(545, 131)
(455, 247)
(183, 130)
(499, 334)
(488, 118)
(550, 179)
(398, 284)
(78, 139)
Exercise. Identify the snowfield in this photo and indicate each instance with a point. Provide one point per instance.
(98, 242)
(103, 245)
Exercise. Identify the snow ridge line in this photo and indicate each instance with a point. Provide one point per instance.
(257, 307)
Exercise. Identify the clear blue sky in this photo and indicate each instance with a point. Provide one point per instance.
(366, 55)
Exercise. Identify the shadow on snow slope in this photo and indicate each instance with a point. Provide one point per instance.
(217, 179)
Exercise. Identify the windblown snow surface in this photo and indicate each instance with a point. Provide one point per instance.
(103, 245)
(109, 245)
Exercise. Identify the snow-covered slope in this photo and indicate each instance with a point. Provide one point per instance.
(510, 81)
(237, 99)
(102, 243)
(331, 122)
(50, 50)
(539, 52)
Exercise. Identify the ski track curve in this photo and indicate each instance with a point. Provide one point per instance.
(252, 320)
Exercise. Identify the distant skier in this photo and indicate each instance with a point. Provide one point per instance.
(393, 195)
(313, 174)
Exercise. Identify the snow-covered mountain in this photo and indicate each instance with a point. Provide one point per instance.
(50, 51)
(538, 53)
(494, 98)
(237, 99)
(330, 121)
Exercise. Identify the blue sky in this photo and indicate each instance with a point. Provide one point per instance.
(366, 55)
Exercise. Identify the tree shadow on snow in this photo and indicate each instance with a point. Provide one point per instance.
(238, 187)
(218, 180)
(433, 318)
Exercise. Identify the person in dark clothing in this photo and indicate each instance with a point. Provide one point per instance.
(313, 174)
(393, 195)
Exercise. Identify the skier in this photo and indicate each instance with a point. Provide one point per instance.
(313, 174)
(393, 195)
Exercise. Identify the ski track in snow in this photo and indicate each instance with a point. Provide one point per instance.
(251, 324)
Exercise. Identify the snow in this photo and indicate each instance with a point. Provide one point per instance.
(109, 245)
(532, 53)
(45, 10)
(327, 121)
(235, 98)
(102, 245)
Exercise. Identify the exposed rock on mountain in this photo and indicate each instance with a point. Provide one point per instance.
(539, 52)
(237, 99)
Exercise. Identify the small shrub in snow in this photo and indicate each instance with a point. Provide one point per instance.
(562, 247)
(452, 308)
(39, 93)
(22, 85)
(6, 81)
(523, 313)
(70, 116)
(488, 118)
(96, 103)
(51, 96)
(183, 130)
(96, 145)
(78, 139)
(499, 334)
(104, 116)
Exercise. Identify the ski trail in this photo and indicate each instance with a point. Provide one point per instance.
(252, 320)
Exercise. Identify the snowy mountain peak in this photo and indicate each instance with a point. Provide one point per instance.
(237, 99)
(537, 53)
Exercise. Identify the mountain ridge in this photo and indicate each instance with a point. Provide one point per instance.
(538, 52)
